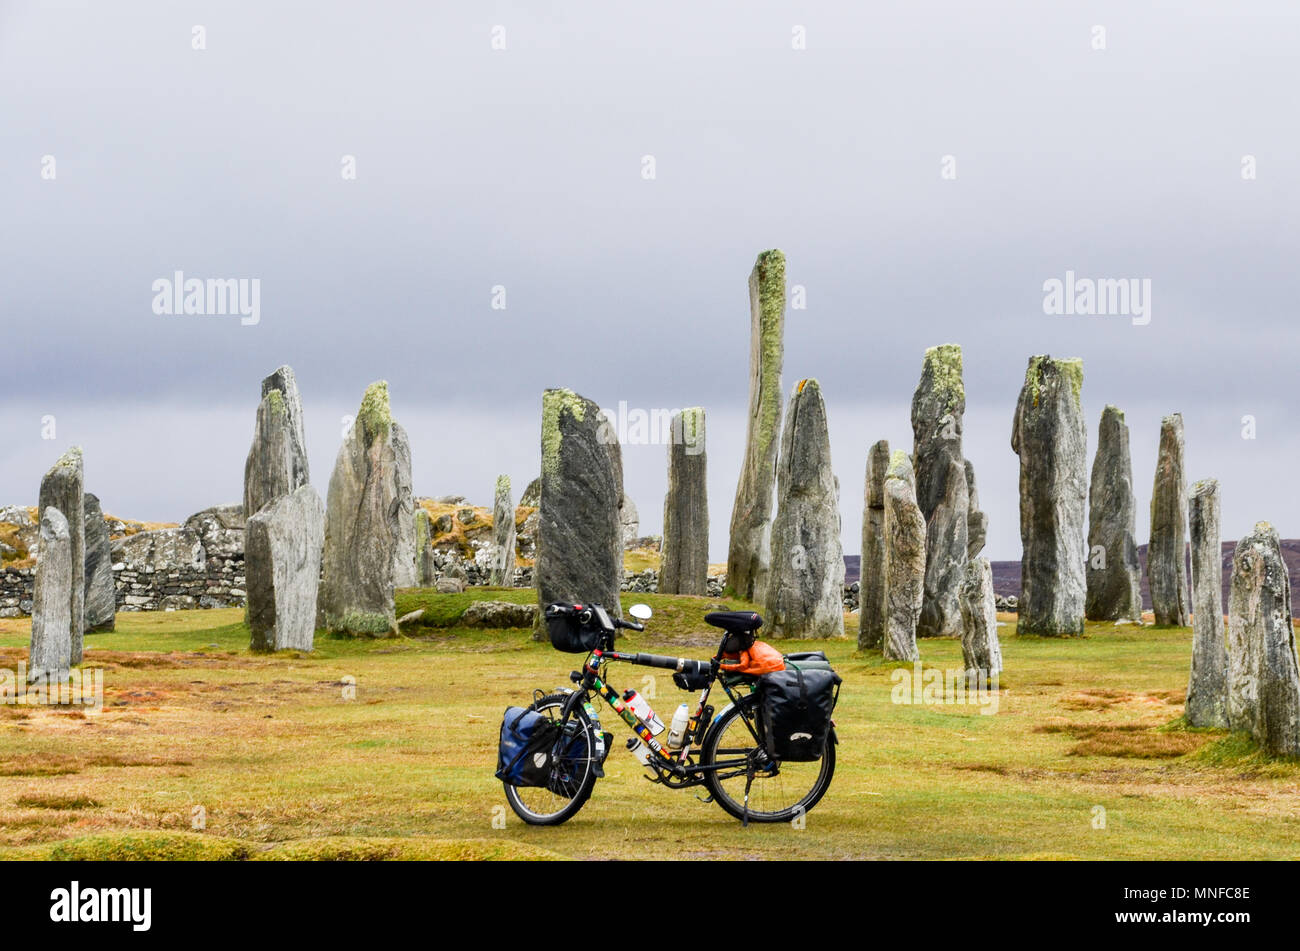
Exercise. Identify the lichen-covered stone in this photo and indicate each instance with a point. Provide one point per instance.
(1263, 678)
(1050, 436)
(1114, 573)
(51, 644)
(580, 539)
(425, 570)
(904, 560)
(101, 593)
(805, 592)
(685, 563)
(980, 648)
(749, 552)
(503, 534)
(282, 560)
(941, 491)
(369, 523)
(1207, 688)
(62, 488)
(532, 496)
(1167, 553)
(871, 579)
(277, 459)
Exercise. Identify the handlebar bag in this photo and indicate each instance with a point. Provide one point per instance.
(795, 712)
(567, 631)
(525, 755)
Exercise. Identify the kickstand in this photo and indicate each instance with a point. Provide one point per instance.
(749, 781)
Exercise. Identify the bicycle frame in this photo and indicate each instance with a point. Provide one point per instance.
(665, 762)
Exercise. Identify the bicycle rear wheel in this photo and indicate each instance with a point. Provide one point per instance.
(778, 792)
(573, 776)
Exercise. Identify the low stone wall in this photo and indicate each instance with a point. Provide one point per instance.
(16, 591)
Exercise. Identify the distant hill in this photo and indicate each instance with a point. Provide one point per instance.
(1006, 574)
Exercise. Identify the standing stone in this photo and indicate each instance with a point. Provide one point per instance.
(282, 555)
(629, 521)
(684, 568)
(1167, 553)
(369, 522)
(51, 647)
(981, 652)
(941, 491)
(805, 592)
(101, 592)
(871, 576)
(277, 460)
(1207, 689)
(62, 488)
(425, 567)
(749, 554)
(580, 541)
(904, 560)
(1114, 572)
(503, 534)
(1051, 438)
(1263, 679)
(977, 522)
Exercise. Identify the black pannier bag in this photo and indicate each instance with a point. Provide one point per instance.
(528, 741)
(568, 632)
(796, 708)
(694, 676)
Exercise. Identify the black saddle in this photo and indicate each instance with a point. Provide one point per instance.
(735, 622)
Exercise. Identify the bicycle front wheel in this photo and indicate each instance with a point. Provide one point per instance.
(573, 776)
(778, 792)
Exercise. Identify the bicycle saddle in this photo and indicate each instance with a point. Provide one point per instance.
(735, 622)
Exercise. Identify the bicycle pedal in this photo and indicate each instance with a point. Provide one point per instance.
(705, 800)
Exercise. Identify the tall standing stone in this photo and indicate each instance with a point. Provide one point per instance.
(282, 555)
(62, 488)
(1263, 679)
(981, 651)
(904, 560)
(749, 554)
(101, 591)
(277, 459)
(425, 567)
(503, 534)
(1114, 572)
(977, 522)
(805, 591)
(52, 618)
(580, 540)
(1051, 438)
(685, 565)
(871, 575)
(941, 491)
(1167, 553)
(369, 522)
(629, 522)
(1207, 688)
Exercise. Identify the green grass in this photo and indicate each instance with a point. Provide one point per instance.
(279, 763)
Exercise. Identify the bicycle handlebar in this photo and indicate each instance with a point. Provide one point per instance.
(657, 660)
(630, 625)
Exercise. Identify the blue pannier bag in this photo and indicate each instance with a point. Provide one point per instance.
(528, 741)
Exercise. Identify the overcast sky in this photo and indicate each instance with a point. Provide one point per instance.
(524, 168)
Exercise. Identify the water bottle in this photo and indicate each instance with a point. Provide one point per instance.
(638, 705)
(636, 746)
(677, 731)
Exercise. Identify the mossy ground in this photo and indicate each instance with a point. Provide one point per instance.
(284, 766)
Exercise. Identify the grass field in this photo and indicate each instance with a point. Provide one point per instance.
(279, 764)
